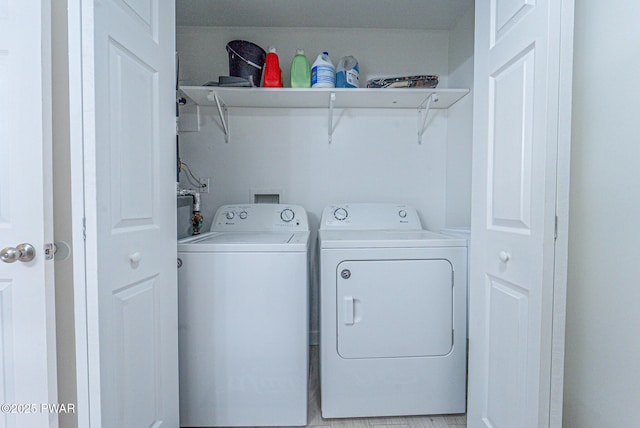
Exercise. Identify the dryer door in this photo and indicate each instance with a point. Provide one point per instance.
(394, 308)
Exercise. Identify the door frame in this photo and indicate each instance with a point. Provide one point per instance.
(79, 31)
(565, 89)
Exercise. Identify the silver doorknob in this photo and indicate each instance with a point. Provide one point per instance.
(504, 256)
(9, 255)
(23, 252)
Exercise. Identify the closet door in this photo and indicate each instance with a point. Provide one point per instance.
(520, 164)
(128, 77)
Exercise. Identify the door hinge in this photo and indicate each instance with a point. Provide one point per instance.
(555, 230)
(49, 250)
(84, 228)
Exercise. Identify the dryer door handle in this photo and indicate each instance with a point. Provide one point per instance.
(348, 310)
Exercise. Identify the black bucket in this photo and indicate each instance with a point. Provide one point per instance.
(246, 60)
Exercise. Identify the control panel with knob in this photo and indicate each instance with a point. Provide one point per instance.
(260, 217)
(370, 216)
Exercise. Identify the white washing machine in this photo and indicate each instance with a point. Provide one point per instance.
(243, 319)
(393, 314)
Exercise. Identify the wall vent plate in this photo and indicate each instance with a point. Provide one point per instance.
(266, 199)
(266, 196)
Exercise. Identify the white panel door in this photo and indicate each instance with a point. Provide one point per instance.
(129, 144)
(518, 61)
(27, 329)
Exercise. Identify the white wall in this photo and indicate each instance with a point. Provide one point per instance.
(374, 157)
(460, 124)
(602, 378)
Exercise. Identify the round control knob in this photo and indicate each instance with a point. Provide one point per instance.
(287, 215)
(402, 214)
(230, 215)
(340, 214)
(243, 215)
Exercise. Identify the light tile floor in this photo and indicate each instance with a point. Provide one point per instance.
(316, 420)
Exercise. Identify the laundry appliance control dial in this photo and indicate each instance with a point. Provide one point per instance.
(230, 215)
(287, 215)
(340, 214)
(243, 215)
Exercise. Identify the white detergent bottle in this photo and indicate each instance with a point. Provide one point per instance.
(323, 73)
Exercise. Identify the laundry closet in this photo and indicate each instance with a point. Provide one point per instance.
(379, 150)
(501, 104)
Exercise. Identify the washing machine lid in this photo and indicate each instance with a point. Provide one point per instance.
(386, 239)
(246, 242)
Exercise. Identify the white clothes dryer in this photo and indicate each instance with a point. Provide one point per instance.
(243, 319)
(393, 314)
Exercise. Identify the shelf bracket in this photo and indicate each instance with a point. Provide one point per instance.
(332, 100)
(222, 111)
(423, 114)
